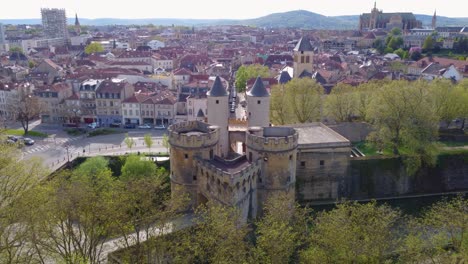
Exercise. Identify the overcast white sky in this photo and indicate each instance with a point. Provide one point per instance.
(236, 9)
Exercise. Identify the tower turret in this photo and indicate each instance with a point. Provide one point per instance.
(218, 114)
(189, 141)
(276, 149)
(258, 105)
(303, 57)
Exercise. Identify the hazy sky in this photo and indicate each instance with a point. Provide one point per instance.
(236, 9)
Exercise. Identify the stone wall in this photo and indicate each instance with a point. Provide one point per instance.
(322, 173)
(354, 132)
(376, 178)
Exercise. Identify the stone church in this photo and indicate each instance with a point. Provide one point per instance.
(377, 19)
(208, 165)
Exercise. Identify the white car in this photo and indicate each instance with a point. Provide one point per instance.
(93, 125)
(144, 126)
(160, 127)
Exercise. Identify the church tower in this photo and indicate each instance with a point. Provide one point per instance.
(434, 20)
(303, 57)
(374, 17)
(218, 114)
(77, 25)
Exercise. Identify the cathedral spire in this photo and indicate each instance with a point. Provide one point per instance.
(375, 4)
(77, 25)
(434, 20)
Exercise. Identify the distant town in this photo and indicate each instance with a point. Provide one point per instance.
(233, 116)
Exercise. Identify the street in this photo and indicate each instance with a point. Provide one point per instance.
(53, 150)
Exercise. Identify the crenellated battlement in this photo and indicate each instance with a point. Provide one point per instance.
(272, 139)
(229, 177)
(229, 186)
(193, 134)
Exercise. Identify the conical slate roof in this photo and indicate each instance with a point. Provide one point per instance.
(200, 113)
(217, 90)
(304, 45)
(258, 89)
(284, 77)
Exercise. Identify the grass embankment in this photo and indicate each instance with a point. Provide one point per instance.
(444, 147)
(20, 132)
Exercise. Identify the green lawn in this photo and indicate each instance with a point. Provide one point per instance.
(370, 150)
(453, 143)
(20, 132)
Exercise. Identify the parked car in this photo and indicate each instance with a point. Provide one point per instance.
(28, 141)
(130, 126)
(144, 126)
(13, 138)
(116, 124)
(93, 125)
(159, 127)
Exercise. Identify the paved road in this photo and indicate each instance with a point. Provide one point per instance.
(53, 150)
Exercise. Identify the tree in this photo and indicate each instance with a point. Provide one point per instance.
(403, 54)
(363, 94)
(144, 209)
(395, 42)
(26, 109)
(402, 116)
(282, 230)
(16, 49)
(298, 102)
(245, 73)
(70, 217)
(353, 233)
(17, 177)
(130, 142)
(218, 236)
(379, 45)
(416, 55)
(148, 141)
(439, 234)
(165, 142)
(340, 103)
(94, 47)
(449, 101)
(136, 167)
(304, 99)
(279, 112)
(31, 64)
(428, 44)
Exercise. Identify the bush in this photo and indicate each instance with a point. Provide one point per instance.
(75, 131)
(102, 132)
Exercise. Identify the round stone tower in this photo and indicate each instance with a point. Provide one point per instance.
(189, 141)
(258, 105)
(276, 149)
(218, 114)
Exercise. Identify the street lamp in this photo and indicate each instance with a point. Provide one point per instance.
(68, 156)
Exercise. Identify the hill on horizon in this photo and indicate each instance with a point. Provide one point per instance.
(291, 19)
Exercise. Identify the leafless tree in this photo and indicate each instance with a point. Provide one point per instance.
(26, 109)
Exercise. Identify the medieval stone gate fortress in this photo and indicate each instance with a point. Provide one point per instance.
(205, 166)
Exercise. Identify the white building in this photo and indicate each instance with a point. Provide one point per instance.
(195, 104)
(155, 44)
(54, 21)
